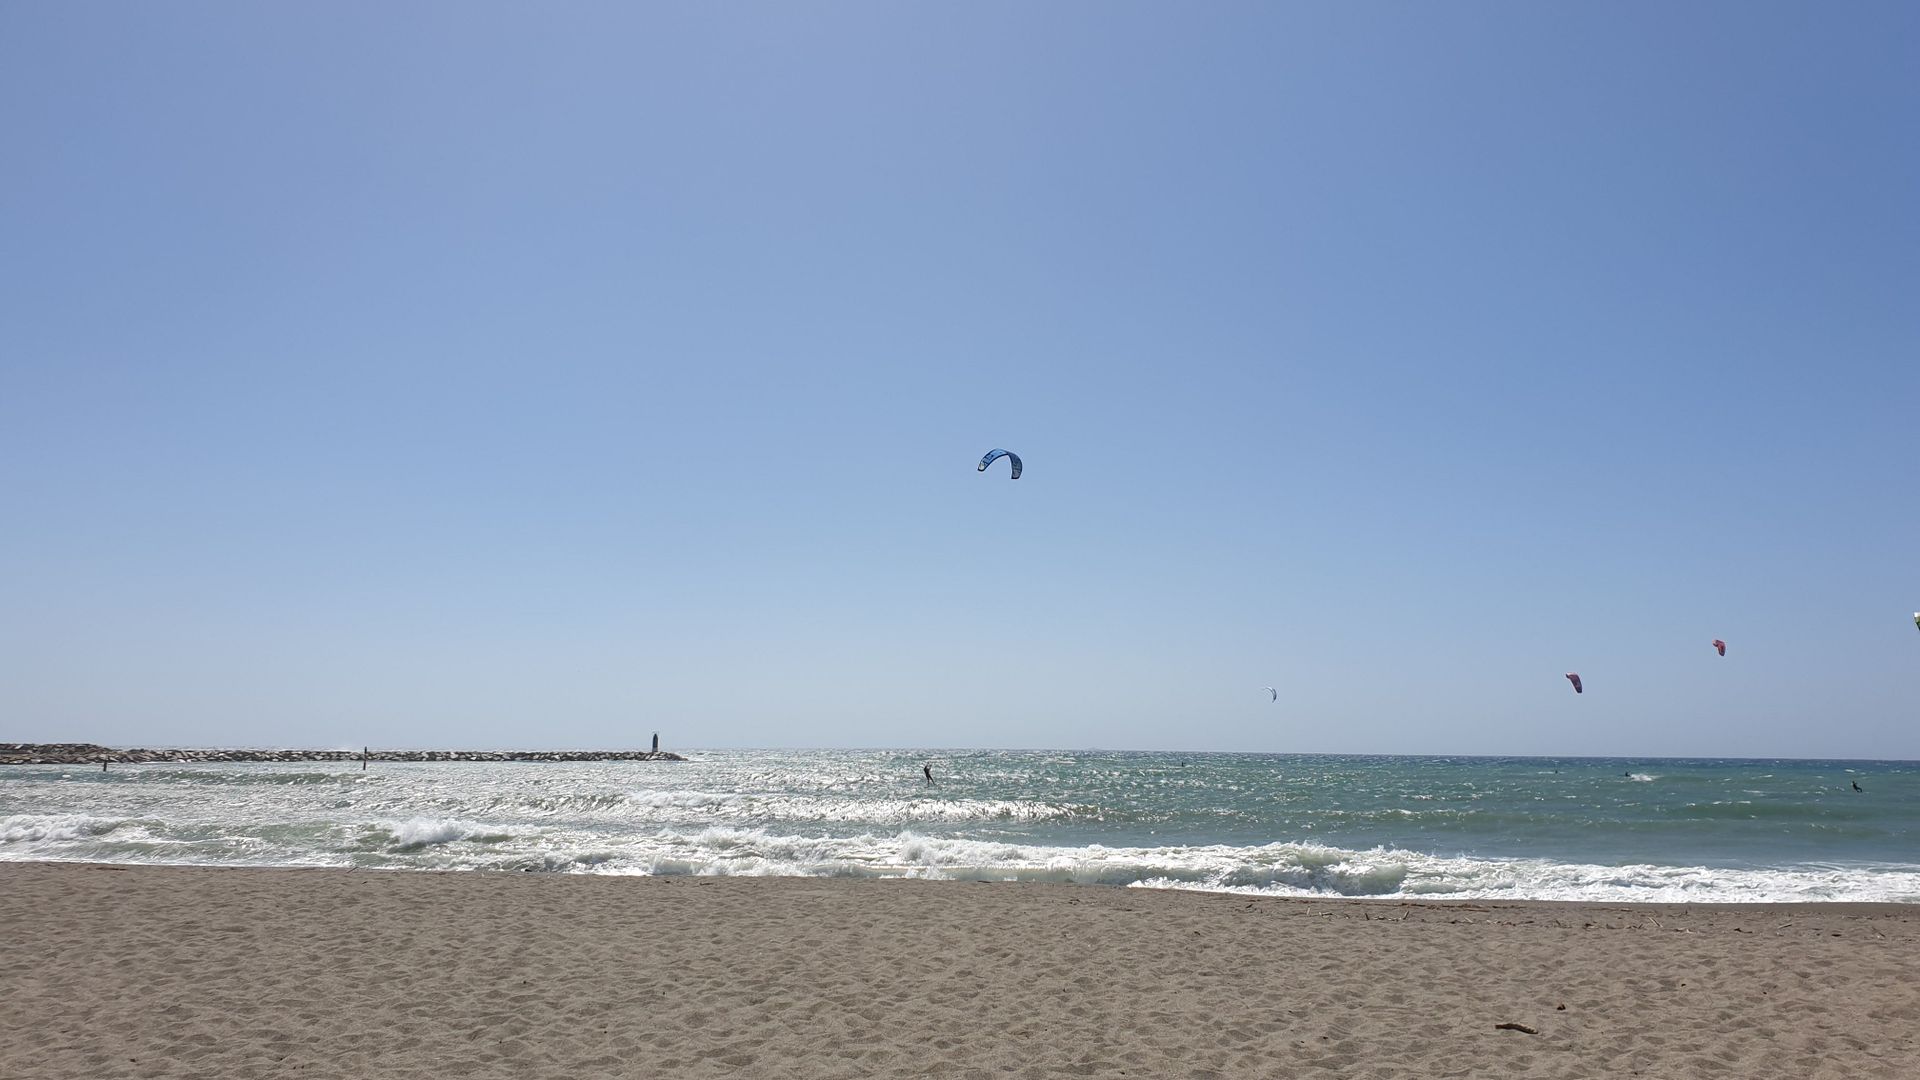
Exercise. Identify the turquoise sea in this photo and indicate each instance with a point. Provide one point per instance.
(1618, 829)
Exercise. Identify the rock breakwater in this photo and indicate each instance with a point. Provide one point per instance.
(93, 754)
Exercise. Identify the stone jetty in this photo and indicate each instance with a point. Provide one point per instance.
(91, 754)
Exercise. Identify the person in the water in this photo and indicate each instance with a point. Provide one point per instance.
(927, 769)
(1857, 787)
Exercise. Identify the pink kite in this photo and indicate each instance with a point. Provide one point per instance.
(1720, 646)
(1574, 678)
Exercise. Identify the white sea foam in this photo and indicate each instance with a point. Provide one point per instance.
(1281, 869)
(424, 832)
(52, 828)
(1275, 869)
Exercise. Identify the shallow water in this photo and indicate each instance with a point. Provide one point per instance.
(1535, 828)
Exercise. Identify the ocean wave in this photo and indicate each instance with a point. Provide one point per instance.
(1535, 879)
(1297, 869)
(683, 805)
(428, 832)
(1792, 813)
(102, 839)
(1305, 869)
(54, 828)
(1279, 869)
(584, 804)
(1262, 826)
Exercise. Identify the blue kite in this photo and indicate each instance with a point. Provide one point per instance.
(995, 454)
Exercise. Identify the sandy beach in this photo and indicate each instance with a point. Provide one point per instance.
(177, 972)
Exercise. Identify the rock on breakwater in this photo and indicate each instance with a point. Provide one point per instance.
(93, 754)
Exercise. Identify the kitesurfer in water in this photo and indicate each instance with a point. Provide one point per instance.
(927, 770)
(1857, 787)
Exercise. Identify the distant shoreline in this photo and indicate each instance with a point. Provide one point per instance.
(92, 754)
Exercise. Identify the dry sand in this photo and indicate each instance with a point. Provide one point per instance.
(185, 972)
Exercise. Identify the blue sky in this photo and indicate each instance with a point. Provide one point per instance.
(505, 375)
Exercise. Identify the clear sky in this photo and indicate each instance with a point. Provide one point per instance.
(530, 375)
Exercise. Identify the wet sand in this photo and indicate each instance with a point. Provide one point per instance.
(187, 972)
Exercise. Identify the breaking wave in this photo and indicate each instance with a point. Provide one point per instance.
(1684, 831)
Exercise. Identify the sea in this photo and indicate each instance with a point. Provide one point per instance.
(1598, 829)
